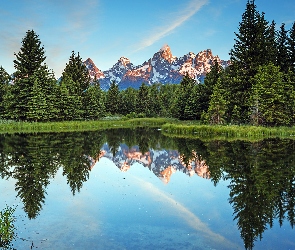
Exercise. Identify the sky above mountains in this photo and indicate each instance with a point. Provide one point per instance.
(105, 30)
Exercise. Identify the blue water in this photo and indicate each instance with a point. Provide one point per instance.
(128, 210)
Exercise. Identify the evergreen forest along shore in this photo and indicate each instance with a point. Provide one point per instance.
(256, 89)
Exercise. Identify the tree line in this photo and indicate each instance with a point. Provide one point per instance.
(256, 88)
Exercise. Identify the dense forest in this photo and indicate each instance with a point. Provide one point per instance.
(257, 88)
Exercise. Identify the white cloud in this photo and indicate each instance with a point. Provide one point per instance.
(191, 9)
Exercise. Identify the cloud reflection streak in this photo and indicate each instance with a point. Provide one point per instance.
(190, 218)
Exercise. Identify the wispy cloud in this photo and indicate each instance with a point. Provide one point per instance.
(183, 15)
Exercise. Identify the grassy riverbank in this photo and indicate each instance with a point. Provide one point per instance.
(169, 127)
(71, 126)
(232, 131)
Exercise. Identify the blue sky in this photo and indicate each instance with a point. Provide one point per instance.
(105, 30)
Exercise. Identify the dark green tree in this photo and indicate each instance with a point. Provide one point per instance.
(167, 96)
(4, 81)
(30, 68)
(93, 105)
(283, 60)
(143, 101)
(210, 81)
(69, 103)
(217, 106)
(77, 71)
(272, 99)
(253, 43)
(112, 102)
(291, 50)
(128, 99)
(181, 106)
(31, 56)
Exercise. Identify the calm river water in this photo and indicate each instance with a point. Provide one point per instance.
(137, 189)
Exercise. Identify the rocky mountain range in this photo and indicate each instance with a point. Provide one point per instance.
(163, 163)
(163, 68)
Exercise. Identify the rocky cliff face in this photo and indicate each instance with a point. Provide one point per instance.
(163, 163)
(163, 68)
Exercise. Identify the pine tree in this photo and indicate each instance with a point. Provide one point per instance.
(283, 60)
(128, 99)
(210, 81)
(37, 105)
(254, 46)
(291, 50)
(69, 103)
(112, 103)
(4, 81)
(30, 67)
(143, 102)
(271, 97)
(217, 106)
(77, 71)
(31, 56)
(93, 105)
(183, 93)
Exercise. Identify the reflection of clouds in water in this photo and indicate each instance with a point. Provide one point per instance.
(191, 219)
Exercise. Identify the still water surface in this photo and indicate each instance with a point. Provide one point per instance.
(137, 189)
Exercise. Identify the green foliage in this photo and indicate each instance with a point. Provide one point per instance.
(112, 102)
(32, 96)
(283, 60)
(217, 106)
(291, 51)
(271, 98)
(31, 56)
(76, 71)
(93, 104)
(128, 99)
(7, 228)
(183, 107)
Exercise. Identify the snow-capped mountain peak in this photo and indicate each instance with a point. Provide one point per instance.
(162, 67)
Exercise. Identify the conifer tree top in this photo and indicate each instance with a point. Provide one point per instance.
(31, 55)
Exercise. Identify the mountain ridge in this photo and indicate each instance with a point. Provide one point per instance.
(162, 68)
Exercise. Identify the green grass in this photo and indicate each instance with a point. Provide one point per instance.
(7, 229)
(232, 131)
(170, 127)
(71, 126)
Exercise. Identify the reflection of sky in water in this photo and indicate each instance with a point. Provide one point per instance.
(133, 210)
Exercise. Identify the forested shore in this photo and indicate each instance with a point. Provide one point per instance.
(258, 88)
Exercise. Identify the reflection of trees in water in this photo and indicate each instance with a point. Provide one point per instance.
(261, 174)
(262, 186)
(33, 159)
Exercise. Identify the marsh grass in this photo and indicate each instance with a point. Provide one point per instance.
(232, 131)
(72, 126)
(7, 228)
(169, 127)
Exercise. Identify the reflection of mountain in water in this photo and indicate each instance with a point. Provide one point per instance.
(163, 163)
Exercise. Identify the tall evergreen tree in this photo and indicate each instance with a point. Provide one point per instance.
(217, 106)
(272, 99)
(30, 67)
(183, 94)
(251, 49)
(112, 103)
(143, 102)
(77, 71)
(31, 56)
(210, 81)
(4, 81)
(93, 105)
(291, 50)
(128, 99)
(283, 60)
